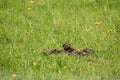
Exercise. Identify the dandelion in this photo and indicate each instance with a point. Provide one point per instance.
(98, 23)
(109, 30)
(32, 1)
(29, 9)
(14, 75)
(34, 63)
(33, 51)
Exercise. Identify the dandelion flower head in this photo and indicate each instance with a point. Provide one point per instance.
(109, 30)
(33, 51)
(98, 23)
(14, 75)
(34, 63)
(32, 1)
(29, 9)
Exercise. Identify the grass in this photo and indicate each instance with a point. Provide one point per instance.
(26, 29)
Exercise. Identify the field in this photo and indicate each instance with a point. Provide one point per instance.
(28, 27)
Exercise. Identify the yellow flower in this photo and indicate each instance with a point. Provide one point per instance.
(98, 23)
(14, 75)
(32, 1)
(109, 30)
(34, 63)
(33, 51)
(29, 9)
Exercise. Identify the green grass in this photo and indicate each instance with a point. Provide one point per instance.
(51, 23)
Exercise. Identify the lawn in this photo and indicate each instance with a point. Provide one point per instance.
(28, 27)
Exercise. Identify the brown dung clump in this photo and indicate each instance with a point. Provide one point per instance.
(67, 48)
